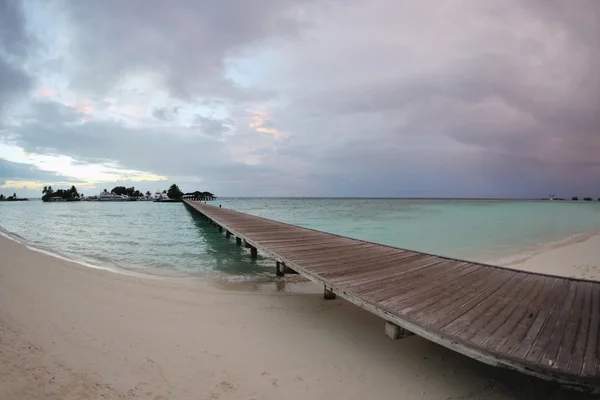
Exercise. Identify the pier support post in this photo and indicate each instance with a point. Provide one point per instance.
(238, 241)
(253, 252)
(279, 271)
(395, 332)
(227, 234)
(220, 228)
(288, 270)
(328, 294)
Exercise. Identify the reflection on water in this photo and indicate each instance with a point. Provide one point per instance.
(225, 255)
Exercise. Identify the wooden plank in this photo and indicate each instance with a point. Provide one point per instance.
(417, 298)
(481, 314)
(549, 330)
(492, 336)
(442, 308)
(352, 278)
(420, 272)
(509, 344)
(578, 351)
(394, 269)
(316, 252)
(465, 300)
(564, 349)
(530, 340)
(304, 239)
(591, 348)
(434, 270)
(361, 264)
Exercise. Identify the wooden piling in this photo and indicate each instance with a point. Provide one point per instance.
(328, 294)
(288, 270)
(395, 332)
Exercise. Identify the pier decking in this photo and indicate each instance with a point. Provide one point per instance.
(541, 325)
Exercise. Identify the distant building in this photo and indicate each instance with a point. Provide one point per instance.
(200, 196)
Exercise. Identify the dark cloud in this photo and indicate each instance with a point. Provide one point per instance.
(14, 42)
(14, 38)
(13, 83)
(165, 113)
(212, 126)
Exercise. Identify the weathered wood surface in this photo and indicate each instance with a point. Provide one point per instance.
(542, 325)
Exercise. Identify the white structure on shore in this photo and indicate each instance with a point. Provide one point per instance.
(158, 196)
(106, 196)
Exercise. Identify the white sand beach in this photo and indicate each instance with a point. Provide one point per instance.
(575, 257)
(73, 332)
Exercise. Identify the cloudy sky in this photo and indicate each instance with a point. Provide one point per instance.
(465, 98)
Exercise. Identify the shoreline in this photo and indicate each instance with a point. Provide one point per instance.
(576, 256)
(251, 282)
(72, 332)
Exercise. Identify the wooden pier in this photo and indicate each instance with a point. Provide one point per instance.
(542, 325)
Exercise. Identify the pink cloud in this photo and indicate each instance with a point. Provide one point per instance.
(46, 91)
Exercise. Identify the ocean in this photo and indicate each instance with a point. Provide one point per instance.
(154, 237)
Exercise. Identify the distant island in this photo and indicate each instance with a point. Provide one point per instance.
(50, 195)
(12, 198)
(122, 193)
(574, 198)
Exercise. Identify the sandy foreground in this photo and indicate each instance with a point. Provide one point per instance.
(73, 332)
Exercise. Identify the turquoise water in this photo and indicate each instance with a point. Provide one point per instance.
(167, 236)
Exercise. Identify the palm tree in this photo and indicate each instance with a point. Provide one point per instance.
(73, 192)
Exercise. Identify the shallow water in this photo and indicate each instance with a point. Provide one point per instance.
(169, 237)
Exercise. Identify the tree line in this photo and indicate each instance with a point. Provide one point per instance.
(128, 191)
(72, 194)
(66, 194)
(11, 198)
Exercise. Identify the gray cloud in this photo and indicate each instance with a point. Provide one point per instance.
(184, 45)
(14, 42)
(212, 126)
(516, 86)
(175, 152)
(165, 113)
(14, 37)
(431, 98)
